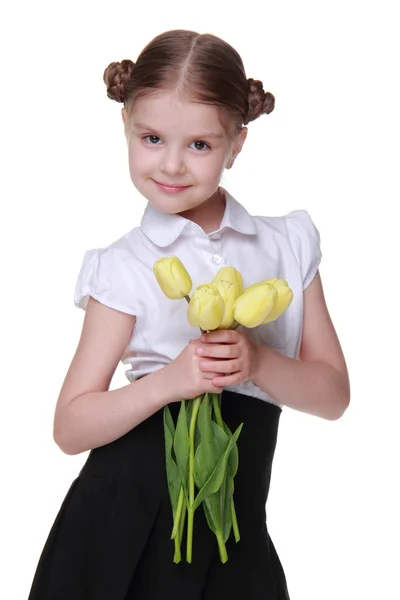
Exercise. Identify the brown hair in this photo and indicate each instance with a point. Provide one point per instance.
(205, 67)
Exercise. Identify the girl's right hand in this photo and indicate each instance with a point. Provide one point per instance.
(184, 378)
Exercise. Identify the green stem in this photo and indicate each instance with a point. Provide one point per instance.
(178, 537)
(178, 514)
(234, 522)
(221, 546)
(192, 428)
(189, 541)
(182, 524)
(177, 555)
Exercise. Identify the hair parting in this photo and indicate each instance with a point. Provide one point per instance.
(202, 66)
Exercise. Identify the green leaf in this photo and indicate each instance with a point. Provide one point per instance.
(204, 418)
(217, 508)
(173, 478)
(233, 463)
(181, 447)
(197, 438)
(212, 513)
(189, 410)
(234, 455)
(213, 444)
(215, 480)
(220, 507)
(218, 398)
(168, 421)
(208, 512)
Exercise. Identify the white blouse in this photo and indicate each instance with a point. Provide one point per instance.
(121, 277)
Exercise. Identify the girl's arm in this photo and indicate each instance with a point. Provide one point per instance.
(318, 383)
(87, 415)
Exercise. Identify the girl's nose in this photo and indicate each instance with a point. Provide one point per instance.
(172, 163)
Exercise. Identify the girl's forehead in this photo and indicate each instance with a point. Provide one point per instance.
(170, 110)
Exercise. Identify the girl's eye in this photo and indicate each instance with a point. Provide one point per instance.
(152, 139)
(199, 145)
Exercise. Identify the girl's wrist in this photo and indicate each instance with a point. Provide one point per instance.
(163, 391)
(261, 355)
(155, 388)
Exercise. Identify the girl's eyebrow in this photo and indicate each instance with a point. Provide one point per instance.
(143, 126)
(194, 137)
(208, 135)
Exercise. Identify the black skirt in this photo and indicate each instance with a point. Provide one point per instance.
(111, 538)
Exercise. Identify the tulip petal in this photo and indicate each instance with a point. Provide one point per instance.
(255, 304)
(172, 277)
(285, 297)
(229, 283)
(206, 308)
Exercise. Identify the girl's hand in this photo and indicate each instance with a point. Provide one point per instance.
(184, 377)
(229, 353)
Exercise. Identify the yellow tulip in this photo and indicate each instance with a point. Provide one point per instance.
(172, 277)
(255, 304)
(229, 283)
(206, 308)
(285, 297)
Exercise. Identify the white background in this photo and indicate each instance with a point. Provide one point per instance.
(331, 146)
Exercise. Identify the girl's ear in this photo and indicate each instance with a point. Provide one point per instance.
(125, 121)
(237, 147)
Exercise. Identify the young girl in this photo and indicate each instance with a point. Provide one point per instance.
(187, 102)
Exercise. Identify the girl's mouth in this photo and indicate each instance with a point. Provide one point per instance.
(171, 188)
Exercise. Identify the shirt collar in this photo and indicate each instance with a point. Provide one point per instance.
(163, 228)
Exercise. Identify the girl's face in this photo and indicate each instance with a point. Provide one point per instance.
(178, 150)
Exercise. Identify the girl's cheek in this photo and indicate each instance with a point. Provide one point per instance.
(138, 161)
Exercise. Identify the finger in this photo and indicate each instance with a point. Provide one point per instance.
(223, 366)
(216, 390)
(218, 351)
(212, 388)
(221, 336)
(212, 375)
(231, 379)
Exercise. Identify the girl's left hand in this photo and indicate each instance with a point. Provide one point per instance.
(228, 351)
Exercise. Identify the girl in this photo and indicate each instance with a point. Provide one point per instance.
(187, 102)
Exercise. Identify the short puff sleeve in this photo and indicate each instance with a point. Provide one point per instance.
(105, 276)
(305, 242)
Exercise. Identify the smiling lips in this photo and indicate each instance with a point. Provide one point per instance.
(171, 188)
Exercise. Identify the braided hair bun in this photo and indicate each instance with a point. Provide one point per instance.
(260, 102)
(116, 77)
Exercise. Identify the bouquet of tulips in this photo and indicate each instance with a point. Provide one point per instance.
(201, 452)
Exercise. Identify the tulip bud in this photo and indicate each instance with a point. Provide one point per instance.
(255, 304)
(172, 277)
(206, 308)
(285, 297)
(228, 282)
